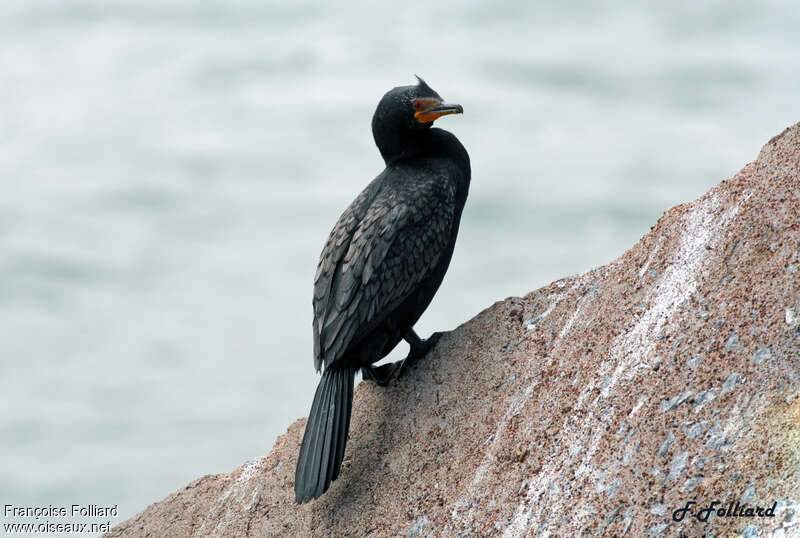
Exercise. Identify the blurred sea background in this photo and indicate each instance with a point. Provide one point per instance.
(170, 171)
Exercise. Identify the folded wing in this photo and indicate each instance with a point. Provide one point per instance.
(381, 249)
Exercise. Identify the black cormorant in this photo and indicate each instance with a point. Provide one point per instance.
(380, 268)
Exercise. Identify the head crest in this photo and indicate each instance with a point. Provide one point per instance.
(422, 85)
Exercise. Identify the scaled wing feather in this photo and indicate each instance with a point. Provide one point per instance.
(377, 254)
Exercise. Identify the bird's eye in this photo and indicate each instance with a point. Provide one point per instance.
(416, 104)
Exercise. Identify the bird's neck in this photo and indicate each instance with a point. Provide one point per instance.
(396, 146)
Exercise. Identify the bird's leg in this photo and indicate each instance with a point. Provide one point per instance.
(420, 347)
(384, 374)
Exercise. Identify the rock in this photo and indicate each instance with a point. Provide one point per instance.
(608, 398)
(418, 527)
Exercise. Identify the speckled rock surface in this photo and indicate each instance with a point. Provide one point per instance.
(595, 406)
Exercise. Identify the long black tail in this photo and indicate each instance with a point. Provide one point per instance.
(322, 450)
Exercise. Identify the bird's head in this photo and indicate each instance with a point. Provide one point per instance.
(411, 107)
(404, 113)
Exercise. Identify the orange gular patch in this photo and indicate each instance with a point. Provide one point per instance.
(423, 109)
(425, 117)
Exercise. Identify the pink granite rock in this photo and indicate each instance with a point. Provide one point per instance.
(598, 405)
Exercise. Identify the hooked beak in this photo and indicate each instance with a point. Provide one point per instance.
(432, 109)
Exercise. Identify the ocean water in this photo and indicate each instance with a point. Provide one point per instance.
(171, 169)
